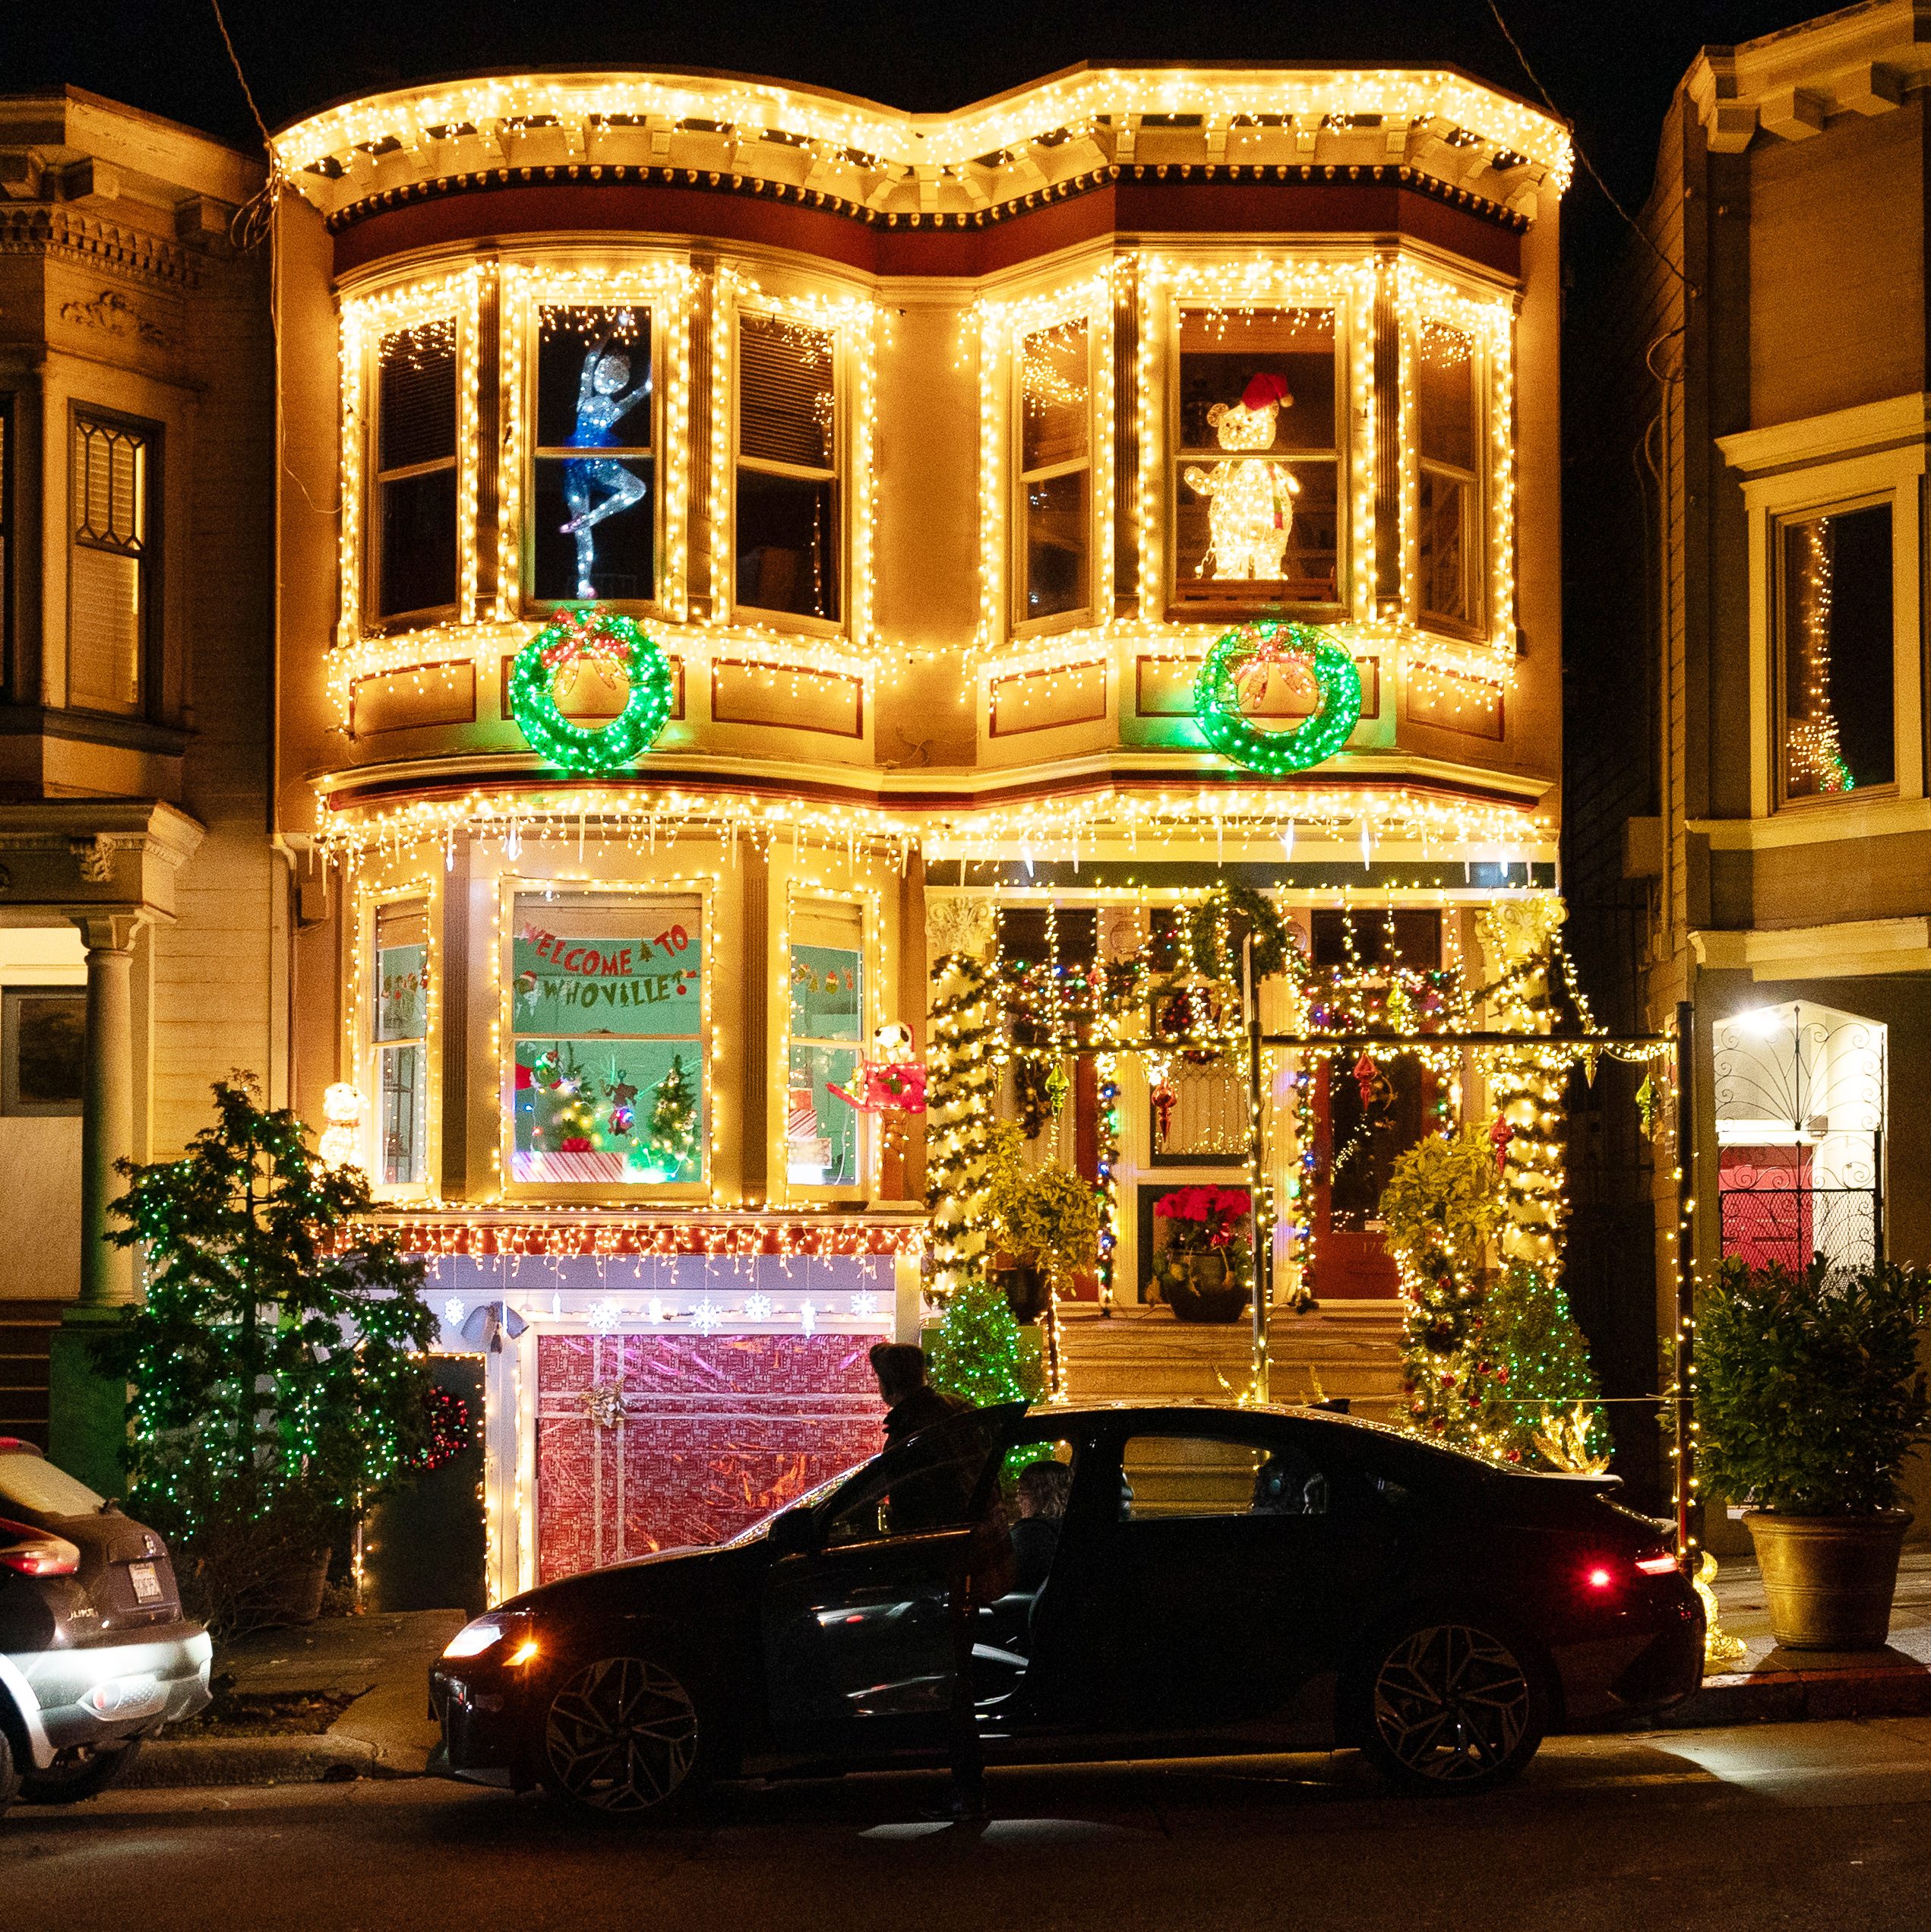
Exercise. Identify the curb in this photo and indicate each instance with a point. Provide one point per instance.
(167, 1764)
(1791, 1697)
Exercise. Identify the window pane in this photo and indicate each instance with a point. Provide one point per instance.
(1186, 1476)
(827, 992)
(1055, 418)
(593, 378)
(419, 542)
(1838, 700)
(1255, 520)
(46, 1043)
(608, 1068)
(1231, 363)
(1444, 504)
(402, 972)
(110, 485)
(613, 555)
(821, 1127)
(787, 405)
(1444, 396)
(404, 1115)
(1056, 525)
(787, 544)
(929, 1483)
(415, 411)
(105, 632)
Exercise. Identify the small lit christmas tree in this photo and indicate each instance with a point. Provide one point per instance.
(276, 1364)
(672, 1131)
(976, 1355)
(1544, 1361)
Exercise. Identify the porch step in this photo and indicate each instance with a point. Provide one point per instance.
(25, 1331)
(1144, 1356)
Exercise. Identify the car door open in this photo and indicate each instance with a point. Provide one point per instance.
(858, 1642)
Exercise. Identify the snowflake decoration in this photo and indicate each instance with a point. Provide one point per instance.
(808, 1317)
(453, 1311)
(707, 1318)
(604, 1317)
(864, 1303)
(757, 1308)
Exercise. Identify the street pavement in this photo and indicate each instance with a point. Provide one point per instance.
(1786, 1826)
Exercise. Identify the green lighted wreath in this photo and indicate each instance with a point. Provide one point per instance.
(601, 635)
(1316, 738)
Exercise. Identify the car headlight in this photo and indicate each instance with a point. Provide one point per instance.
(484, 1633)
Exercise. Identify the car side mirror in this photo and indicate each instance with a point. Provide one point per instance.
(794, 1533)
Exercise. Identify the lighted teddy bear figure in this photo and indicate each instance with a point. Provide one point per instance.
(1250, 511)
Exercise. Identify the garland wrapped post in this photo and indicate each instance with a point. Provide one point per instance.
(961, 1077)
(1442, 1205)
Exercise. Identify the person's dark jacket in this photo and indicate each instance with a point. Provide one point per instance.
(1034, 1538)
(919, 1410)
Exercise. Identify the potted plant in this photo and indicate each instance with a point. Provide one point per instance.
(1809, 1398)
(1206, 1266)
(1045, 1220)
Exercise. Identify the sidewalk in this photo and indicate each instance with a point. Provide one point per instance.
(1775, 1686)
(381, 1662)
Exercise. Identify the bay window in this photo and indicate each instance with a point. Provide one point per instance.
(789, 538)
(606, 1012)
(1055, 472)
(1256, 458)
(1447, 441)
(414, 525)
(593, 488)
(401, 999)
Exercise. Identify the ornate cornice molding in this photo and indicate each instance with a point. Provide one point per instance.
(40, 228)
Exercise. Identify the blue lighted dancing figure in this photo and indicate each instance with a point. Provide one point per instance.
(601, 405)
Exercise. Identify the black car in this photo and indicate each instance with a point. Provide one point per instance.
(1221, 1579)
(95, 1655)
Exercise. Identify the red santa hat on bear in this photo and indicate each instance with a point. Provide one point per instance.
(1266, 390)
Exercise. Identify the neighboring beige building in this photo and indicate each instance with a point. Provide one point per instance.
(1749, 827)
(934, 452)
(142, 926)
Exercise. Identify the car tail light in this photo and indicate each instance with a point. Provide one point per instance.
(1659, 1564)
(36, 1552)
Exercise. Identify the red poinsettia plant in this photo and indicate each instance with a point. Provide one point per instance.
(1204, 1217)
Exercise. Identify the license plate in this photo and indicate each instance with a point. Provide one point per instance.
(147, 1585)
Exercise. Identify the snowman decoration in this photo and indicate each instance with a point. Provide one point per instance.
(1250, 506)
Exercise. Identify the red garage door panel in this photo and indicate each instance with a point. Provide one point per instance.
(650, 1442)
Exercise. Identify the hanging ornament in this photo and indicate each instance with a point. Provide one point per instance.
(1165, 1100)
(1056, 1084)
(1233, 659)
(1500, 1136)
(1366, 1075)
(616, 646)
(1400, 1009)
(1646, 1106)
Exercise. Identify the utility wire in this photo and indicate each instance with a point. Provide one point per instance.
(1582, 153)
(254, 218)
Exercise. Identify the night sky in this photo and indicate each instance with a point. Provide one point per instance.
(1610, 65)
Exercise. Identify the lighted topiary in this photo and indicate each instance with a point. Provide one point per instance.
(976, 1354)
(277, 1365)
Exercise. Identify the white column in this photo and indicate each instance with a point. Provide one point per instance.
(107, 1105)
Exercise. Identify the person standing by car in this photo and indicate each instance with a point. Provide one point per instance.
(911, 1406)
(911, 1403)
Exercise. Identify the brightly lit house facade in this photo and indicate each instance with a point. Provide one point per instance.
(915, 460)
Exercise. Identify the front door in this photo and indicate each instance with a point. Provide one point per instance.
(859, 1641)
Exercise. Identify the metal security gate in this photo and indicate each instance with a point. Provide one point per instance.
(1800, 1099)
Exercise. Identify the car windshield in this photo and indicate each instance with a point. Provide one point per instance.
(31, 1482)
(810, 1499)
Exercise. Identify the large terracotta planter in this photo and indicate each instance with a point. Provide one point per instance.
(1829, 1579)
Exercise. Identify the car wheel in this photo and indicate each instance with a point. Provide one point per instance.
(624, 1737)
(1450, 1706)
(84, 1774)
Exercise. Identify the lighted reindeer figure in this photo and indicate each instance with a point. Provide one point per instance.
(1250, 507)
